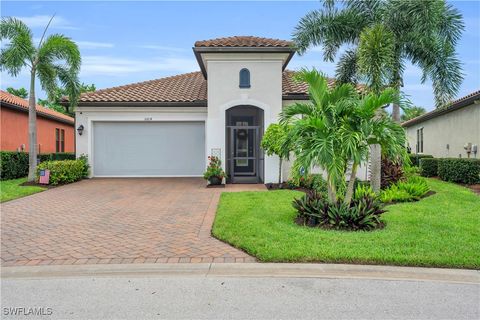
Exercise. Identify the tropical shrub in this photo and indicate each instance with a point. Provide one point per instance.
(310, 181)
(429, 167)
(363, 213)
(392, 172)
(459, 170)
(334, 130)
(64, 171)
(415, 158)
(413, 189)
(274, 143)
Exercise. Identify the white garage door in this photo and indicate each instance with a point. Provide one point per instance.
(148, 149)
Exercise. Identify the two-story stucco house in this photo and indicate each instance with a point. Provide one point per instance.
(450, 132)
(168, 127)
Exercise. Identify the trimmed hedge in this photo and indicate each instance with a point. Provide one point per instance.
(415, 158)
(429, 167)
(57, 156)
(64, 171)
(15, 164)
(459, 170)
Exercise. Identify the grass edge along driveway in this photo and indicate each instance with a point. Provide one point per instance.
(438, 231)
(12, 189)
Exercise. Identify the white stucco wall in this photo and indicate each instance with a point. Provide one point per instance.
(455, 128)
(87, 116)
(224, 92)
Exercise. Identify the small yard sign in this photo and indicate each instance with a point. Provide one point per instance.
(44, 177)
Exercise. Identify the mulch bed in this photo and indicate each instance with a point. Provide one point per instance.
(475, 188)
(283, 186)
(301, 221)
(36, 184)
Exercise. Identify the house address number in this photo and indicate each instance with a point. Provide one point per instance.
(148, 119)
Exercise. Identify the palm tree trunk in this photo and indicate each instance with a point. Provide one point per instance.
(396, 112)
(375, 166)
(351, 184)
(32, 130)
(332, 192)
(280, 171)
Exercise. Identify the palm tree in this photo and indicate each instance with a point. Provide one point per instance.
(334, 130)
(422, 32)
(412, 112)
(56, 60)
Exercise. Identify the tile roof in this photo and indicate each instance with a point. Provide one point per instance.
(244, 41)
(183, 88)
(188, 87)
(454, 105)
(11, 99)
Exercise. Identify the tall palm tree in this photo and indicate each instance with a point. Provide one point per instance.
(422, 32)
(56, 60)
(335, 129)
(412, 112)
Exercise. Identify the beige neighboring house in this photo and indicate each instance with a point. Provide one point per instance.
(453, 131)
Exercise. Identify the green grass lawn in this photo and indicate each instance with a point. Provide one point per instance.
(11, 189)
(439, 231)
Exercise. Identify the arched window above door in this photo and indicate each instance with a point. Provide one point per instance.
(244, 78)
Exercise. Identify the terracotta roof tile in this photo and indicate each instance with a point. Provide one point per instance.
(6, 97)
(244, 41)
(188, 87)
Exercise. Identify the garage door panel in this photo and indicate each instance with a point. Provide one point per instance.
(153, 148)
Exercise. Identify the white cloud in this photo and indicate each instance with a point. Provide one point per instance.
(114, 66)
(41, 21)
(93, 45)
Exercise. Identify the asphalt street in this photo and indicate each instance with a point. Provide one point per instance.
(236, 297)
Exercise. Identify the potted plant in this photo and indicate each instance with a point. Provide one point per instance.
(214, 173)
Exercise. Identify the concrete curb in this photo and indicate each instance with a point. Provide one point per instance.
(282, 270)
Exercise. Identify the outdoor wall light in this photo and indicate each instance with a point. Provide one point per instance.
(80, 129)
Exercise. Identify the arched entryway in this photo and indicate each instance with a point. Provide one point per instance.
(244, 131)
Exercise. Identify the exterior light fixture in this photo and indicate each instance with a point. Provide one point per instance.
(80, 129)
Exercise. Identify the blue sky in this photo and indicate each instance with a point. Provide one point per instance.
(126, 42)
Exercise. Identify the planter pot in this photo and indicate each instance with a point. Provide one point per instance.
(215, 181)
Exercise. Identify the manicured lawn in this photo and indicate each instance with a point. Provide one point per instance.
(439, 231)
(11, 189)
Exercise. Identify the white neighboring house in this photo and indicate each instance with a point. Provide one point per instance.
(450, 132)
(168, 127)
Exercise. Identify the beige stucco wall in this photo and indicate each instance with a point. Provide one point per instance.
(455, 128)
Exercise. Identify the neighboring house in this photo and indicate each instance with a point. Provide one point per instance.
(169, 126)
(55, 131)
(453, 131)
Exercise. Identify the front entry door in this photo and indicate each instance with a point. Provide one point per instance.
(244, 151)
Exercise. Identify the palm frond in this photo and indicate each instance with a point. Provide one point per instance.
(19, 51)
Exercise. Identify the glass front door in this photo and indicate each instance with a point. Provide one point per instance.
(243, 160)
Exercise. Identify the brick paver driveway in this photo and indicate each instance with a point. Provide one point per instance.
(115, 221)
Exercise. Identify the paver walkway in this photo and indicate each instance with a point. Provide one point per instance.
(117, 221)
